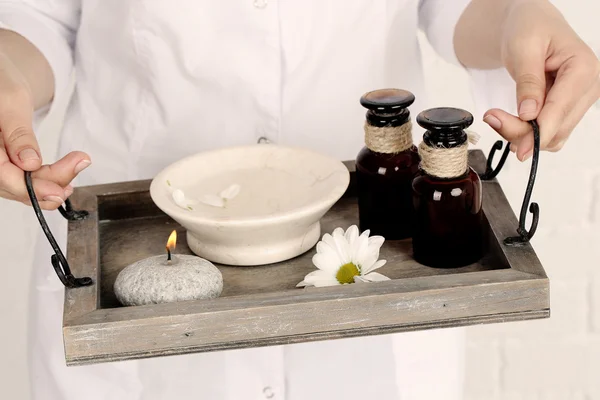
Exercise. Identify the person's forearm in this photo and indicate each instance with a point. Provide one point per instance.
(33, 66)
(479, 31)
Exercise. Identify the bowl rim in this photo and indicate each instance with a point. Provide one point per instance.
(295, 214)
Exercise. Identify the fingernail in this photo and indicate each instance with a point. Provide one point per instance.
(528, 106)
(28, 155)
(493, 122)
(83, 164)
(513, 147)
(68, 191)
(54, 199)
(527, 155)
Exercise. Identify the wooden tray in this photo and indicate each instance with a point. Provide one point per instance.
(260, 306)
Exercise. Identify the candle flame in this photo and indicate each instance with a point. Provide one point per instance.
(172, 242)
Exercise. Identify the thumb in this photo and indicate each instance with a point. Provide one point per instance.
(528, 71)
(17, 133)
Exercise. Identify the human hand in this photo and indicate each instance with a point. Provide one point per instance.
(19, 150)
(557, 77)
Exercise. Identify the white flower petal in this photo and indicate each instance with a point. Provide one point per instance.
(340, 246)
(360, 250)
(360, 279)
(323, 247)
(178, 195)
(329, 258)
(230, 192)
(373, 267)
(368, 263)
(213, 200)
(344, 249)
(338, 232)
(327, 238)
(326, 282)
(318, 274)
(179, 198)
(376, 277)
(319, 278)
(372, 253)
(352, 235)
(326, 261)
(307, 279)
(376, 241)
(370, 256)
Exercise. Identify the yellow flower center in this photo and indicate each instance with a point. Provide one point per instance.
(346, 273)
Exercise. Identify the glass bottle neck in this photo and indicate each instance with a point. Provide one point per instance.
(445, 138)
(391, 120)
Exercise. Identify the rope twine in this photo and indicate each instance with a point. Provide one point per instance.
(444, 162)
(387, 139)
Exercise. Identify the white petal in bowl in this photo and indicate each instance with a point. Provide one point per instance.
(271, 212)
(179, 198)
(231, 192)
(213, 200)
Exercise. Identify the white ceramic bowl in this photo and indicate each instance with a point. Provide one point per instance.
(284, 192)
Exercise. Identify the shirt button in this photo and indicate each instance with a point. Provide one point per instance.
(260, 4)
(268, 392)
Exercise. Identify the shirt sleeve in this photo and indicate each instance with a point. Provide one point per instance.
(437, 19)
(51, 26)
(489, 88)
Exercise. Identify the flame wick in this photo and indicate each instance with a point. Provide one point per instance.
(171, 243)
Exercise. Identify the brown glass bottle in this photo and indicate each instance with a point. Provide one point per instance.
(384, 173)
(448, 217)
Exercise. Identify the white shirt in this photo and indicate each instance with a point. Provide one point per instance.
(159, 80)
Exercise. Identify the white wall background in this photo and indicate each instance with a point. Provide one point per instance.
(554, 359)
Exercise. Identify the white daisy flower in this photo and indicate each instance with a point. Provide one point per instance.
(346, 257)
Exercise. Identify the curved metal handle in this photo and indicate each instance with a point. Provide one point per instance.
(59, 262)
(72, 215)
(490, 173)
(524, 234)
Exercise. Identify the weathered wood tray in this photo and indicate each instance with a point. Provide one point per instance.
(261, 306)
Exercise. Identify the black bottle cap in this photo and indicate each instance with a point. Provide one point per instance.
(387, 107)
(445, 118)
(445, 126)
(387, 101)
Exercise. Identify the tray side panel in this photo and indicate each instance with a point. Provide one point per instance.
(302, 321)
(341, 334)
(503, 224)
(128, 205)
(83, 257)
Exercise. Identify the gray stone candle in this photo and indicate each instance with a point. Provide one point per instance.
(163, 279)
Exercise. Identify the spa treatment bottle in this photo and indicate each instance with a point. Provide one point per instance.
(446, 193)
(387, 164)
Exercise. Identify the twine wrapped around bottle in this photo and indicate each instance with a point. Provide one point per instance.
(388, 139)
(444, 162)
